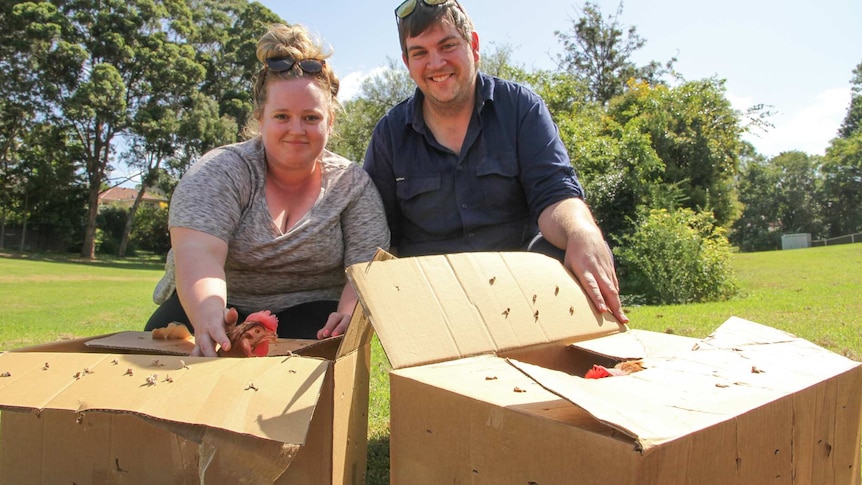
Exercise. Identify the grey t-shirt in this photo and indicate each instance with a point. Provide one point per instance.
(223, 195)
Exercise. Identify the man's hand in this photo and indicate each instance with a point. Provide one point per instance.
(592, 263)
(569, 224)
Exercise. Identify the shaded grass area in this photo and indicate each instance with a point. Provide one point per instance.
(814, 293)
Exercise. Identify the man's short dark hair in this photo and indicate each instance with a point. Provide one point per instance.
(424, 16)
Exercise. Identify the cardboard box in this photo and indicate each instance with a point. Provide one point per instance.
(125, 408)
(488, 352)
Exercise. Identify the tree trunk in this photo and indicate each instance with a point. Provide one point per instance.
(96, 166)
(24, 225)
(130, 221)
(88, 250)
(2, 228)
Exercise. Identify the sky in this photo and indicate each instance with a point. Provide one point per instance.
(797, 57)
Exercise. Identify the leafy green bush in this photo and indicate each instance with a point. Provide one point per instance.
(150, 231)
(110, 224)
(677, 257)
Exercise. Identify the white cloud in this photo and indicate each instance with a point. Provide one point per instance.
(808, 128)
(352, 82)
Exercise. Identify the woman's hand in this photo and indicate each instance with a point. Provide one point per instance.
(338, 320)
(201, 286)
(336, 325)
(212, 333)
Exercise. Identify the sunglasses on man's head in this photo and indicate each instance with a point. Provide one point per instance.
(284, 64)
(408, 6)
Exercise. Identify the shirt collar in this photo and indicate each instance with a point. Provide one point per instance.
(484, 94)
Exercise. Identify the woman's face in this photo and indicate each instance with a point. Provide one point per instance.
(295, 122)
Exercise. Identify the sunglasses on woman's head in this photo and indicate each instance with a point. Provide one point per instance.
(408, 6)
(284, 64)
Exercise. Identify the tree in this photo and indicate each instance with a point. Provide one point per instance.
(796, 192)
(498, 62)
(842, 169)
(779, 196)
(21, 43)
(617, 166)
(842, 185)
(564, 94)
(377, 94)
(98, 72)
(50, 194)
(204, 105)
(599, 51)
(695, 133)
(122, 74)
(225, 41)
(756, 229)
(852, 123)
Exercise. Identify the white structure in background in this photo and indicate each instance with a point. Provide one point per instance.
(796, 241)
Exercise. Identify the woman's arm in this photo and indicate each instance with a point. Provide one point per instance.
(338, 321)
(201, 286)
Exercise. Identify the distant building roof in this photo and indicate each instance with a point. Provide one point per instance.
(123, 194)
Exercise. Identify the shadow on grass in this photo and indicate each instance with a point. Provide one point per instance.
(378, 461)
(144, 261)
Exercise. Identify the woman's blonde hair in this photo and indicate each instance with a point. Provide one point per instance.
(293, 42)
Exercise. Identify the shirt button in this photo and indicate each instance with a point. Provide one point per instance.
(463, 206)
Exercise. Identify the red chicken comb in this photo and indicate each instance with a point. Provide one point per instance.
(266, 318)
(597, 372)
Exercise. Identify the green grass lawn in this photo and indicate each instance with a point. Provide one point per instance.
(815, 293)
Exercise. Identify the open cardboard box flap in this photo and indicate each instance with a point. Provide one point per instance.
(437, 308)
(238, 395)
(741, 366)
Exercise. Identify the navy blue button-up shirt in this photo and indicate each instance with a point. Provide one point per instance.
(512, 166)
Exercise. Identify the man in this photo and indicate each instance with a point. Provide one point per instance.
(475, 163)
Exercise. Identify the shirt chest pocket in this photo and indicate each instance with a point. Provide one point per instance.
(496, 179)
(498, 165)
(410, 188)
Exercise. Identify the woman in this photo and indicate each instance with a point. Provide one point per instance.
(271, 223)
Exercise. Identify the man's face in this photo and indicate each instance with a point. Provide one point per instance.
(443, 65)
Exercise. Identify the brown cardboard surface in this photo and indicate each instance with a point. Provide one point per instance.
(636, 344)
(740, 367)
(481, 420)
(436, 308)
(144, 342)
(482, 395)
(450, 425)
(153, 387)
(77, 412)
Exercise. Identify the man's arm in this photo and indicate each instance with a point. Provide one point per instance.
(569, 225)
(378, 165)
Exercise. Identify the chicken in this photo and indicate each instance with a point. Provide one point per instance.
(174, 331)
(621, 369)
(250, 338)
